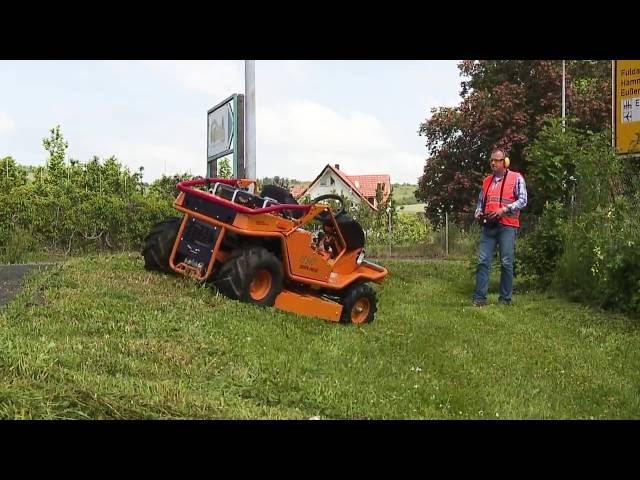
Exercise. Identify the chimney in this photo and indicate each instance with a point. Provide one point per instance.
(337, 166)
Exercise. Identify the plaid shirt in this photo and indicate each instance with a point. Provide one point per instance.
(519, 191)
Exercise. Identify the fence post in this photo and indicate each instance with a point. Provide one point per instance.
(446, 232)
(389, 210)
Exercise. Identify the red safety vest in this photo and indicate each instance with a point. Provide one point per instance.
(493, 202)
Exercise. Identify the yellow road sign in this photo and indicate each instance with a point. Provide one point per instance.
(627, 106)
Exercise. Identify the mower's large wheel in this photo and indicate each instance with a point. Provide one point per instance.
(159, 243)
(359, 304)
(253, 275)
(222, 277)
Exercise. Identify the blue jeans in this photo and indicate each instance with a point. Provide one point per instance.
(505, 238)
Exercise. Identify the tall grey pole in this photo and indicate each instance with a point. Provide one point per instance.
(563, 95)
(250, 118)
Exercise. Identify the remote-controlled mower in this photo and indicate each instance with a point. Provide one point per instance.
(267, 249)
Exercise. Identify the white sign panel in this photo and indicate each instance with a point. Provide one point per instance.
(220, 130)
(630, 110)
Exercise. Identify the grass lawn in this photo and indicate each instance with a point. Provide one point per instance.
(99, 337)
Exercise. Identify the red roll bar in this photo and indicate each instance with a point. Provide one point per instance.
(187, 187)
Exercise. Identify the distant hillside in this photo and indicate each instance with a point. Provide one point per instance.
(283, 181)
(404, 193)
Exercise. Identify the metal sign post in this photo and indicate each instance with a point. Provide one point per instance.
(390, 232)
(250, 116)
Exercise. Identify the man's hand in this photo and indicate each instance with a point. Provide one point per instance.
(478, 215)
(498, 213)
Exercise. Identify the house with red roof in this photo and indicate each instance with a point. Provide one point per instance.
(356, 187)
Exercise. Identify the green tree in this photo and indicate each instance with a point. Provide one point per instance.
(56, 145)
(379, 193)
(11, 174)
(166, 186)
(224, 170)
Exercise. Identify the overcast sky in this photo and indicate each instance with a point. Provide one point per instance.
(363, 115)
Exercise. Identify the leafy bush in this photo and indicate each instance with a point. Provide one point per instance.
(70, 207)
(538, 252)
(601, 263)
(584, 245)
(410, 229)
(18, 244)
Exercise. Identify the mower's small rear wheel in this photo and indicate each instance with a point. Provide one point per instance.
(359, 304)
(252, 275)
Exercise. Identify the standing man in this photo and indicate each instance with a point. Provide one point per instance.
(501, 198)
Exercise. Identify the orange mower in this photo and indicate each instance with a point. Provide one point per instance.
(256, 249)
